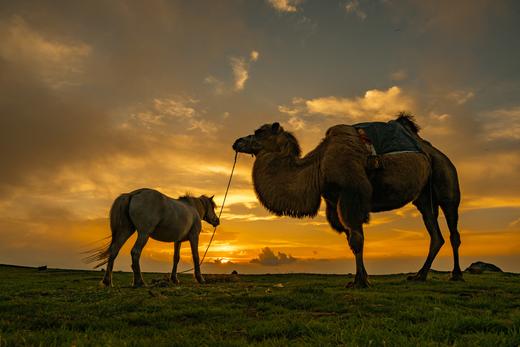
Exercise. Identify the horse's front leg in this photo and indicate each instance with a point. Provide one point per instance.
(142, 238)
(176, 258)
(194, 243)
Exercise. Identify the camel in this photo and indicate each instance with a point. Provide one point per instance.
(340, 171)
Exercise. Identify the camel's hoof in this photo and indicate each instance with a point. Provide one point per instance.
(417, 277)
(201, 280)
(175, 280)
(457, 277)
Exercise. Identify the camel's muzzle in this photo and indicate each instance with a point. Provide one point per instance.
(243, 145)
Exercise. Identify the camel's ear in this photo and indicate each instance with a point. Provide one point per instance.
(275, 127)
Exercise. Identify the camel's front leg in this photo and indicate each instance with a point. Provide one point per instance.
(176, 258)
(194, 243)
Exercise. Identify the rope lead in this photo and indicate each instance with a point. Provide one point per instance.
(219, 214)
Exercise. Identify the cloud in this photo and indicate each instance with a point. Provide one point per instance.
(353, 7)
(285, 5)
(297, 107)
(254, 55)
(163, 114)
(399, 75)
(460, 96)
(375, 104)
(502, 124)
(240, 67)
(41, 132)
(240, 72)
(57, 63)
(296, 123)
(218, 86)
(269, 258)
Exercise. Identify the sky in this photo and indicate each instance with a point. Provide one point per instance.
(98, 98)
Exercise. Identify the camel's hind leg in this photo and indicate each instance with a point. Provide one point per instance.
(452, 217)
(430, 212)
(142, 238)
(352, 210)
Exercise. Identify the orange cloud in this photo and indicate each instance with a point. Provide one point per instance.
(58, 63)
(373, 105)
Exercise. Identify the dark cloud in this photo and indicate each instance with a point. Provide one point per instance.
(269, 258)
(66, 93)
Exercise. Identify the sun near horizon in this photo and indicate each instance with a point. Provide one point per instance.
(98, 99)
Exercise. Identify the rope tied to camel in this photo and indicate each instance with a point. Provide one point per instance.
(219, 214)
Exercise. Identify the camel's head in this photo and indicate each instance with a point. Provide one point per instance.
(267, 137)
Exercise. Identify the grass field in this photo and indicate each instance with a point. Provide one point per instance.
(65, 307)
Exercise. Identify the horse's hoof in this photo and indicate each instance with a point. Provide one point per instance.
(201, 280)
(417, 277)
(103, 284)
(358, 284)
(139, 285)
(175, 280)
(457, 277)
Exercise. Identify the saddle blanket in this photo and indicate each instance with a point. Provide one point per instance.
(383, 138)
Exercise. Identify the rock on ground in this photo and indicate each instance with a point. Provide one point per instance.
(480, 266)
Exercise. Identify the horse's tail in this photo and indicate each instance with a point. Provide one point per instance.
(121, 227)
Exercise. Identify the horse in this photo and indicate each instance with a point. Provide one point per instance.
(155, 215)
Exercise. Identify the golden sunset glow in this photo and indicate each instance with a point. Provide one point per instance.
(154, 95)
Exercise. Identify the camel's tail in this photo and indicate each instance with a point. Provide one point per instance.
(121, 227)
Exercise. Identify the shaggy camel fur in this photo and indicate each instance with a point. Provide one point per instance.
(338, 170)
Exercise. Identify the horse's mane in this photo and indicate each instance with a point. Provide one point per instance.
(408, 120)
(188, 197)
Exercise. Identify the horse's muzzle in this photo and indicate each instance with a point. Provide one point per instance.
(215, 222)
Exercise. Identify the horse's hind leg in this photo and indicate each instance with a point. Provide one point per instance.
(452, 217)
(118, 240)
(430, 212)
(142, 238)
(176, 258)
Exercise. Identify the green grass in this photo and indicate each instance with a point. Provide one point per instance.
(62, 307)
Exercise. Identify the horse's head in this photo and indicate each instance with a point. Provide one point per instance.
(209, 210)
(269, 138)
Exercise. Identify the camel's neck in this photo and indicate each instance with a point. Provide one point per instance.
(288, 185)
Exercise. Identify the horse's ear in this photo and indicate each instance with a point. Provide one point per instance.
(275, 127)
(211, 197)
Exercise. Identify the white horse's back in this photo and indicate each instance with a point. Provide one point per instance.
(164, 218)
